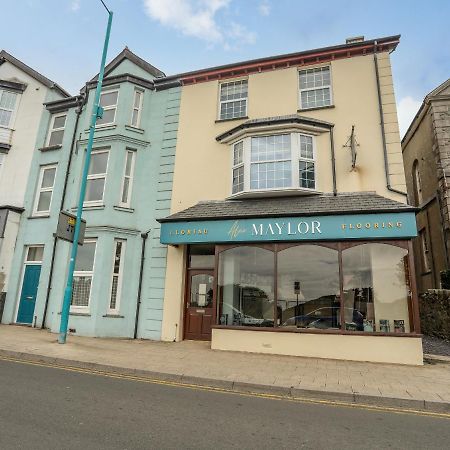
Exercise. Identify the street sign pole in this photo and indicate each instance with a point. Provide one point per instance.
(96, 112)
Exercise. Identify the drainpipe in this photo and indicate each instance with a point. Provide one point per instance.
(63, 197)
(144, 237)
(333, 160)
(383, 136)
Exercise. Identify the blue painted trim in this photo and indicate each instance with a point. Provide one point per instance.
(318, 228)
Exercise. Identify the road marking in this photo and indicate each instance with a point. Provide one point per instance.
(142, 379)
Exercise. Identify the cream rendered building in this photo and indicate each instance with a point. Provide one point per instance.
(289, 230)
(22, 94)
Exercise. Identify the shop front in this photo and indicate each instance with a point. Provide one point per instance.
(315, 276)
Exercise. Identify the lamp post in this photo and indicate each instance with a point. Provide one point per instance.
(97, 111)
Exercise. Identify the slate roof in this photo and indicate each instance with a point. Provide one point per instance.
(5, 56)
(322, 204)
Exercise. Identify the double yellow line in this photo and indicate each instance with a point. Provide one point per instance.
(142, 379)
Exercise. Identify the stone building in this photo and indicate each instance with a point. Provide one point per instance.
(426, 157)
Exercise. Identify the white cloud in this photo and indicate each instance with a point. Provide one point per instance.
(264, 8)
(406, 109)
(198, 18)
(75, 5)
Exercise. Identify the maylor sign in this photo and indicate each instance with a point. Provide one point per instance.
(336, 227)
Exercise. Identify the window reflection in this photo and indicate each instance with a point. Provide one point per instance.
(376, 288)
(308, 287)
(246, 287)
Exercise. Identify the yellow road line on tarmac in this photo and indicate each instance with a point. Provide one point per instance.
(142, 379)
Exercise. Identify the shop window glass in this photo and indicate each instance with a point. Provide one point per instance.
(246, 287)
(376, 288)
(308, 287)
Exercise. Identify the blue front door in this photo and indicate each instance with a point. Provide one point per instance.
(28, 295)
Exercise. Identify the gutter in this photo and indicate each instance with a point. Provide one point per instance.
(333, 161)
(144, 237)
(383, 132)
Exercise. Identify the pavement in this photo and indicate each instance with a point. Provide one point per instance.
(194, 363)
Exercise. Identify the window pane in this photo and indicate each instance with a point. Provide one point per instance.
(238, 151)
(44, 201)
(108, 99)
(85, 257)
(81, 290)
(246, 287)
(56, 138)
(114, 288)
(376, 288)
(201, 256)
(307, 177)
(126, 184)
(59, 122)
(94, 189)
(99, 163)
(134, 118)
(233, 90)
(231, 110)
(117, 257)
(313, 78)
(306, 147)
(8, 100)
(128, 163)
(270, 175)
(137, 99)
(108, 116)
(308, 293)
(238, 179)
(316, 98)
(48, 179)
(270, 148)
(5, 117)
(35, 254)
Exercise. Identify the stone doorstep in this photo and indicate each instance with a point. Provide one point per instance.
(293, 393)
(437, 358)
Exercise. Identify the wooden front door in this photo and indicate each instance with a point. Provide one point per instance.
(199, 305)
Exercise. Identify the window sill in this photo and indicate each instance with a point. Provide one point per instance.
(134, 129)
(113, 316)
(124, 209)
(38, 216)
(315, 331)
(274, 193)
(49, 148)
(87, 207)
(78, 314)
(316, 108)
(107, 126)
(230, 120)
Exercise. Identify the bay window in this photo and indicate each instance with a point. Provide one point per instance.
(127, 181)
(108, 101)
(274, 162)
(137, 108)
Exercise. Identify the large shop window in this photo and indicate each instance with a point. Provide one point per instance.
(308, 287)
(274, 162)
(246, 286)
(367, 292)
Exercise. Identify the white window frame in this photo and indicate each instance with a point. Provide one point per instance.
(130, 178)
(52, 129)
(236, 166)
(295, 159)
(138, 109)
(40, 190)
(119, 276)
(220, 102)
(13, 111)
(330, 86)
(107, 108)
(96, 176)
(85, 274)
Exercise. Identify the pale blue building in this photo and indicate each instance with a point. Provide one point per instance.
(120, 270)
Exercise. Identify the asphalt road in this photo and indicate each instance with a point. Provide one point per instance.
(48, 408)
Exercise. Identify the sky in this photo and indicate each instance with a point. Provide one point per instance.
(63, 39)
